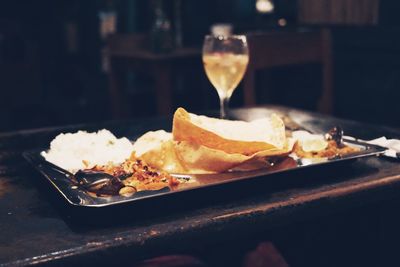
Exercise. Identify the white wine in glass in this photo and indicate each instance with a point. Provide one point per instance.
(225, 60)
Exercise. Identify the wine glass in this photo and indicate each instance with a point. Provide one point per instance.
(225, 60)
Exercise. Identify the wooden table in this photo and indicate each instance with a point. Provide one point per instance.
(160, 66)
(37, 227)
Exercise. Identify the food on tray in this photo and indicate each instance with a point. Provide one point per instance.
(199, 144)
(315, 146)
(134, 176)
(310, 142)
(332, 150)
(90, 155)
(158, 149)
(105, 165)
(83, 150)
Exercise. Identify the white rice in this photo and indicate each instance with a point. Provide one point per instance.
(80, 150)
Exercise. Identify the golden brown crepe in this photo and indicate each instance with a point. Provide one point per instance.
(230, 136)
(199, 144)
(201, 159)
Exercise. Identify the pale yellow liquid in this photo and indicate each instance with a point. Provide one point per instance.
(225, 71)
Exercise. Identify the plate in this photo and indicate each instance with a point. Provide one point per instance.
(78, 197)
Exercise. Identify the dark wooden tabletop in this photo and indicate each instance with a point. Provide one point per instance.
(38, 227)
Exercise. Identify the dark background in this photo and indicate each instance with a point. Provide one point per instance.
(46, 81)
(43, 81)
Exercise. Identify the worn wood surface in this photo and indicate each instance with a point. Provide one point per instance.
(37, 226)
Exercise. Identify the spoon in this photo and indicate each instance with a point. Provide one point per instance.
(94, 181)
(85, 177)
(105, 186)
(68, 174)
(99, 182)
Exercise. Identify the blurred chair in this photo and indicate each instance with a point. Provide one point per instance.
(265, 254)
(274, 49)
(132, 52)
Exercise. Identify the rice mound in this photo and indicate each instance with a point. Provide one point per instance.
(81, 150)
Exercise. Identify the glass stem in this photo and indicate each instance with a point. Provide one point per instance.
(224, 104)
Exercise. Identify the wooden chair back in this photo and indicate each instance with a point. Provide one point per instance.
(274, 49)
(127, 42)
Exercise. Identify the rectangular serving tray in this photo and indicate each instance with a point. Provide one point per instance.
(78, 197)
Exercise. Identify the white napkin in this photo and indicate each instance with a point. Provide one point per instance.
(392, 145)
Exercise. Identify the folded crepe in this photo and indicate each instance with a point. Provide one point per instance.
(200, 144)
(240, 137)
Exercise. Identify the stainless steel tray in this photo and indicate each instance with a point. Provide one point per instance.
(79, 197)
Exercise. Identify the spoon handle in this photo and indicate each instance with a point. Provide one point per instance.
(70, 175)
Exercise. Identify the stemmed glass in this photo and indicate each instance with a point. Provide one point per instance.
(225, 60)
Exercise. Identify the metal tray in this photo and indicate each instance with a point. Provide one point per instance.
(81, 198)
